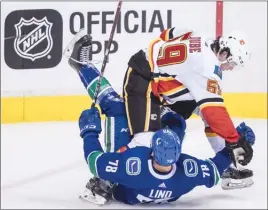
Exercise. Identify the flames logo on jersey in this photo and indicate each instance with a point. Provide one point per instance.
(33, 38)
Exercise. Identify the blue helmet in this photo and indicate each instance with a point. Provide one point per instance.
(166, 146)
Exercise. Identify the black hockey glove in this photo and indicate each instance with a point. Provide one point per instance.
(240, 151)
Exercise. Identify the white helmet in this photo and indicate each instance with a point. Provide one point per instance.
(237, 44)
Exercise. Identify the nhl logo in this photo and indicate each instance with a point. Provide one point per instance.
(33, 38)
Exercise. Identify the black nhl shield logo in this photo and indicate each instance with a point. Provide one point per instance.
(36, 32)
(33, 39)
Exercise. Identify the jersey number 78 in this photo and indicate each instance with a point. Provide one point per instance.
(112, 167)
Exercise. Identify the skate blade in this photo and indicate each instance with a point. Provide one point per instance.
(231, 184)
(88, 196)
(69, 49)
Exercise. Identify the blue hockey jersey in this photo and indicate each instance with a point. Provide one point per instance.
(138, 181)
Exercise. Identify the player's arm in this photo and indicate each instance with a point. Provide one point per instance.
(107, 166)
(206, 172)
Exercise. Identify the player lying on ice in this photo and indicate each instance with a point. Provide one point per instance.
(144, 175)
(117, 136)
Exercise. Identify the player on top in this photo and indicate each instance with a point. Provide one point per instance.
(186, 108)
(182, 67)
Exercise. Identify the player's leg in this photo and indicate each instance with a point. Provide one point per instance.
(116, 133)
(109, 101)
(143, 109)
(115, 129)
(79, 53)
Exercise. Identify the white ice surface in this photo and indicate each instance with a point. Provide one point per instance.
(42, 166)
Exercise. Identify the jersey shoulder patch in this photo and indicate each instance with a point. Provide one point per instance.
(134, 158)
(133, 166)
(190, 167)
(218, 71)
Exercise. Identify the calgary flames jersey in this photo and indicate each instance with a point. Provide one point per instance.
(185, 68)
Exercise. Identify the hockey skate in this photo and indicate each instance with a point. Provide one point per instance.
(79, 50)
(98, 191)
(234, 178)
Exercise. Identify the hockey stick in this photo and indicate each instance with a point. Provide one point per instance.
(107, 51)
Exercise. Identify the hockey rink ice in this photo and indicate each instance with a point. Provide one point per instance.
(42, 166)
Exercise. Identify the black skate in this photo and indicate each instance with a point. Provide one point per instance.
(79, 50)
(98, 191)
(233, 178)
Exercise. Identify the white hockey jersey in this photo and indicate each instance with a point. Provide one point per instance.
(185, 68)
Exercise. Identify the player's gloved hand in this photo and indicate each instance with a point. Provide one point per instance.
(247, 132)
(90, 122)
(240, 151)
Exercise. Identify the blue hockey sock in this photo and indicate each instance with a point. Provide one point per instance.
(89, 76)
(110, 102)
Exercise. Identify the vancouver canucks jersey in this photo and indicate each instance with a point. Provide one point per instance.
(138, 181)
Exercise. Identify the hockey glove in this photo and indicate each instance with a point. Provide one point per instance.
(240, 151)
(90, 122)
(247, 132)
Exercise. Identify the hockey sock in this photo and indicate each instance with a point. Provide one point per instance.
(109, 101)
(89, 76)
